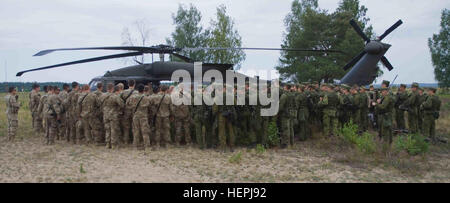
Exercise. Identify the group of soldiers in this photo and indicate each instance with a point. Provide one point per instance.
(148, 119)
(330, 107)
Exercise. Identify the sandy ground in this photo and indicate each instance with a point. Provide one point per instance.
(28, 160)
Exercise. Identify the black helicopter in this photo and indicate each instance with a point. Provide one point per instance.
(363, 72)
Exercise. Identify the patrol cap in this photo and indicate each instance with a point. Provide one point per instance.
(370, 86)
(363, 88)
(415, 84)
(385, 82)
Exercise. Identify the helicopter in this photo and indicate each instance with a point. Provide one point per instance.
(364, 66)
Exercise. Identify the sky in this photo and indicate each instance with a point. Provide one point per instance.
(27, 27)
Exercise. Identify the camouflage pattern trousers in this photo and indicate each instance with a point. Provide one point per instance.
(112, 130)
(287, 130)
(226, 130)
(429, 125)
(84, 125)
(126, 124)
(37, 123)
(386, 127)
(52, 129)
(13, 124)
(141, 131)
(413, 121)
(182, 125)
(62, 127)
(162, 131)
(330, 122)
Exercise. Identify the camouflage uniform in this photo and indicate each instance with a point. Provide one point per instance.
(412, 103)
(141, 126)
(84, 113)
(330, 121)
(431, 108)
(127, 116)
(225, 115)
(72, 103)
(96, 120)
(287, 113)
(420, 112)
(52, 111)
(62, 126)
(302, 115)
(182, 117)
(41, 113)
(35, 97)
(112, 109)
(384, 109)
(364, 111)
(12, 110)
(401, 97)
(162, 122)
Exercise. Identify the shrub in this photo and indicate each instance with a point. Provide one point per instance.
(260, 149)
(414, 144)
(273, 137)
(236, 158)
(364, 143)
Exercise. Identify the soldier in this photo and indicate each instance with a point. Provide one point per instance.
(412, 104)
(420, 115)
(373, 95)
(63, 126)
(72, 115)
(182, 118)
(127, 114)
(12, 110)
(84, 111)
(96, 120)
(384, 107)
(52, 110)
(162, 112)
(364, 108)
(35, 97)
(113, 107)
(141, 110)
(401, 97)
(431, 108)
(302, 113)
(355, 108)
(344, 110)
(329, 103)
(56, 92)
(225, 115)
(286, 115)
(202, 117)
(41, 108)
(101, 102)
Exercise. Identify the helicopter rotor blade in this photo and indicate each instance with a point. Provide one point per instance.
(358, 30)
(126, 48)
(354, 60)
(184, 58)
(386, 63)
(392, 28)
(262, 49)
(83, 61)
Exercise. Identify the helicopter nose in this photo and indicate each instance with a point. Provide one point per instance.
(374, 47)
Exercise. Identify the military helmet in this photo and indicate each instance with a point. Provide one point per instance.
(385, 82)
(415, 84)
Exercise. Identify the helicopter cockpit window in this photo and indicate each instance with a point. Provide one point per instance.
(93, 85)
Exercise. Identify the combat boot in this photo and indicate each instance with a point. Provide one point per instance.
(108, 146)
